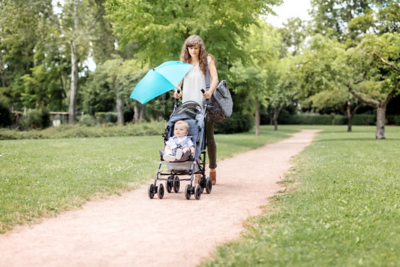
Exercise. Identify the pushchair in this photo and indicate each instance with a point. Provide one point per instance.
(195, 116)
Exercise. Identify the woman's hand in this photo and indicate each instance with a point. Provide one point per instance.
(207, 95)
(176, 95)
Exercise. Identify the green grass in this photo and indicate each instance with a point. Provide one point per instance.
(341, 208)
(44, 177)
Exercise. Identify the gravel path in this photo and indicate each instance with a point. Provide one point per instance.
(132, 230)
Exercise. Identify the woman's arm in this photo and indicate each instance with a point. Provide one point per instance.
(214, 76)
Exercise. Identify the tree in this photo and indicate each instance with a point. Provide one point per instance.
(75, 23)
(259, 75)
(293, 34)
(160, 27)
(379, 58)
(325, 73)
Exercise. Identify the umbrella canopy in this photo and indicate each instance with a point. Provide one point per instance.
(159, 80)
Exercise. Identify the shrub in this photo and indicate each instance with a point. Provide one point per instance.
(237, 123)
(87, 120)
(111, 117)
(5, 114)
(339, 120)
(38, 119)
(363, 119)
(394, 119)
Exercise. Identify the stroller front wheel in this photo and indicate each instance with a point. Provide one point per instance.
(208, 185)
(168, 185)
(197, 191)
(150, 191)
(187, 192)
(160, 191)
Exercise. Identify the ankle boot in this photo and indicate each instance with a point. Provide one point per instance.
(213, 175)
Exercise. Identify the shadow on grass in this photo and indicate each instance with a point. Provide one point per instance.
(358, 139)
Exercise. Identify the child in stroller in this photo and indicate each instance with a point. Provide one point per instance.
(192, 114)
(180, 146)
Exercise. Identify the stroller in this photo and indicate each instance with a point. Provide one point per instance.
(195, 116)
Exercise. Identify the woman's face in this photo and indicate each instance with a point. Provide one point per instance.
(194, 50)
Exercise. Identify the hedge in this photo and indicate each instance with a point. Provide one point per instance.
(316, 119)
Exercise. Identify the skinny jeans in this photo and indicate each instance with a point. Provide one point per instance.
(211, 146)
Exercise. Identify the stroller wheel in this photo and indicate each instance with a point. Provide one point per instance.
(187, 192)
(197, 192)
(202, 183)
(168, 185)
(150, 191)
(176, 184)
(208, 185)
(160, 191)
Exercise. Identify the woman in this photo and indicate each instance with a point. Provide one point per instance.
(194, 52)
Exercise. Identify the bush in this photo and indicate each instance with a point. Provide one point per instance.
(363, 119)
(237, 123)
(339, 120)
(87, 120)
(5, 114)
(77, 130)
(38, 119)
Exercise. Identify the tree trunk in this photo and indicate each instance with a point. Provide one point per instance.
(120, 106)
(74, 83)
(257, 113)
(74, 69)
(277, 110)
(142, 111)
(349, 116)
(136, 112)
(380, 122)
(275, 119)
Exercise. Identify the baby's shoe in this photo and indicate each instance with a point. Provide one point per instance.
(168, 157)
(178, 154)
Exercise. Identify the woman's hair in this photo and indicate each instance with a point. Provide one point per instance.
(192, 41)
(183, 123)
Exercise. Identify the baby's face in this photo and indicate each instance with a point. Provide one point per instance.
(180, 131)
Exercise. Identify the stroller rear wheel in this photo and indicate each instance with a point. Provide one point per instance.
(197, 192)
(160, 191)
(187, 191)
(176, 184)
(208, 185)
(150, 191)
(168, 185)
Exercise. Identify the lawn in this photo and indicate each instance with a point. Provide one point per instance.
(44, 177)
(341, 207)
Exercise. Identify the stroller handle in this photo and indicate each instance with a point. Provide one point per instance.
(176, 99)
(207, 100)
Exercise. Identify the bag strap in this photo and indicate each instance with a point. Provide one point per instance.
(208, 77)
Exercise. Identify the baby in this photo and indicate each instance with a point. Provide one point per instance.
(180, 146)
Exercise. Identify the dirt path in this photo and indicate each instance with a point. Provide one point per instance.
(132, 230)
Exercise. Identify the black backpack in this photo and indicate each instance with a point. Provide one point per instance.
(220, 105)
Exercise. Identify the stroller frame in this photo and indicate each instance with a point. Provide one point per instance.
(190, 168)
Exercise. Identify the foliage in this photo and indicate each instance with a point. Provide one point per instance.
(34, 189)
(36, 119)
(159, 28)
(237, 123)
(339, 208)
(311, 119)
(76, 131)
(361, 119)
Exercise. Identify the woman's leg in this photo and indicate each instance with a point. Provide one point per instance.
(211, 146)
(212, 151)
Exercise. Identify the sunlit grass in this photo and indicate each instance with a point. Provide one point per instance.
(343, 210)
